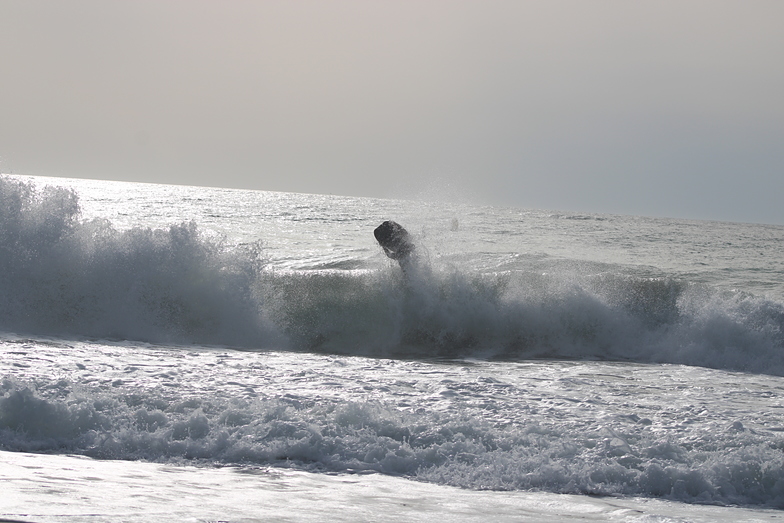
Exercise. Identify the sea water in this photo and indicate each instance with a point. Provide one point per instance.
(213, 354)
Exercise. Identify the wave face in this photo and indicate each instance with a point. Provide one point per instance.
(61, 275)
(519, 316)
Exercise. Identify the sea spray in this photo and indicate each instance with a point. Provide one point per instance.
(64, 276)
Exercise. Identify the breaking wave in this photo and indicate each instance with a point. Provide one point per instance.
(63, 276)
(60, 275)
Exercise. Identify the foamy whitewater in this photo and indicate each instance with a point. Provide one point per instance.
(211, 354)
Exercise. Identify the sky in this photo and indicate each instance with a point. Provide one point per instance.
(646, 107)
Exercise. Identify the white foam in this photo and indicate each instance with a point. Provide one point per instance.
(588, 428)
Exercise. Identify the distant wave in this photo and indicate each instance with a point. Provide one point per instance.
(64, 276)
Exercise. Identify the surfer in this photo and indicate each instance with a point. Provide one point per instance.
(395, 241)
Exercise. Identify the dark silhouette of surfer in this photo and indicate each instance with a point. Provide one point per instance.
(395, 241)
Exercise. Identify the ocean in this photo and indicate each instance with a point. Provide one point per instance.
(201, 354)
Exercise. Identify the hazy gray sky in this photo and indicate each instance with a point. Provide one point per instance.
(666, 108)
